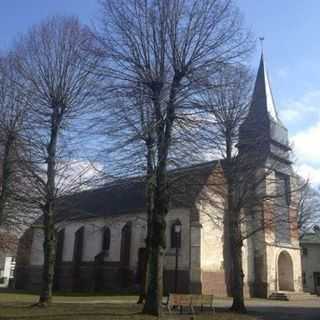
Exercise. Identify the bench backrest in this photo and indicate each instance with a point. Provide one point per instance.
(180, 299)
(207, 299)
(188, 299)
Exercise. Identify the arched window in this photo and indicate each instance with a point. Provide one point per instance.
(125, 245)
(175, 234)
(77, 258)
(106, 238)
(59, 246)
(78, 245)
(59, 258)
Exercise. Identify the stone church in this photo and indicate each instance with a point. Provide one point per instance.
(101, 232)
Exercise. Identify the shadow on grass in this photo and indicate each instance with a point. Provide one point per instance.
(62, 311)
(118, 293)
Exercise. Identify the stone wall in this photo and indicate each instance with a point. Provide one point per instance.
(273, 254)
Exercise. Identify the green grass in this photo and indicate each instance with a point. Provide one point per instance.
(19, 306)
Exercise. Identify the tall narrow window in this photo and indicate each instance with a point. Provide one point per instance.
(281, 210)
(77, 258)
(78, 245)
(175, 234)
(106, 238)
(125, 245)
(283, 187)
(59, 257)
(60, 244)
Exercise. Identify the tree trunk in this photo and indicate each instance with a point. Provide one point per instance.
(155, 282)
(237, 271)
(153, 303)
(234, 232)
(7, 171)
(48, 212)
(49, 257)
(150, 208)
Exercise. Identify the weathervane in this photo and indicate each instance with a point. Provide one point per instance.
(261, 43)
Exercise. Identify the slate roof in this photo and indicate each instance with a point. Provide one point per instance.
(127, 196)
(262, 99)
(311, 238)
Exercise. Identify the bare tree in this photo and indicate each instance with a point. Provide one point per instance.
(14, 214)
(228, 103)
(169, 48)
(308, 207)
(56, 76)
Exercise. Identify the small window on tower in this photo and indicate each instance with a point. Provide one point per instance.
(305, 251)
(287, 189)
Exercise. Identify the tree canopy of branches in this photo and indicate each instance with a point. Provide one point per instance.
(14, 213)
(227, 105)
(309, 208)
(56, 76)
(168, 49)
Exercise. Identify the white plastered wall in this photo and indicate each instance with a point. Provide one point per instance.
(93, 229)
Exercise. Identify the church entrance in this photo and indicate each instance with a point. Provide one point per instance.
(285, 272)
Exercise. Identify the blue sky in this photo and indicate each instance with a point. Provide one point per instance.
(292, 50)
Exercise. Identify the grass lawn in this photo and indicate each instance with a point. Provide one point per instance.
(18, 306)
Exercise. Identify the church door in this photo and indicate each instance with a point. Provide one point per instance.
(285, 272)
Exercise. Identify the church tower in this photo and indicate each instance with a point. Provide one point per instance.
(263, 132)
(274, 257)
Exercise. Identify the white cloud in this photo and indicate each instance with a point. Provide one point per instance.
(76, 175)
(307, 144)
(310, 173)
(307, 105)
(289, 115)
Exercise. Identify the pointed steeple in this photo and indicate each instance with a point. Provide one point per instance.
(262, 131)
(262, 99)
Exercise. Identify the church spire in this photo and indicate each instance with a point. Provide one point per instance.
(262, 132)
(262, 99)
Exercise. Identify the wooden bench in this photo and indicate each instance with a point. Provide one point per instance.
(190, 301)
(203, 300)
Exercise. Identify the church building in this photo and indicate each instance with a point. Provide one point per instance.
(101, 232)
